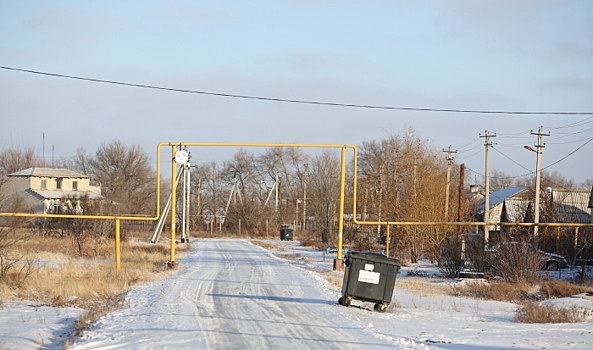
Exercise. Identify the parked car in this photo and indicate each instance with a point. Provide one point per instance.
(548, 261)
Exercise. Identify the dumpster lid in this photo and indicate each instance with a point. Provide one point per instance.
(375, 257)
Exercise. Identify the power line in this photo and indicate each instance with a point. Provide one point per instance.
(579, 123)
(473, 154)
(570, 154)
(274, 99)
(544, 168)
(509, 158)
(469, 143)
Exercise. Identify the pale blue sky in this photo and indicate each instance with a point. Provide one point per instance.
(461, 54)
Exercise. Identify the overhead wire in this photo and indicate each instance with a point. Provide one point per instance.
(570, 154)
(311, 102)
(296, 101)
(533, 172)
(579, 123)
(469, 143)
(509, 158)
(466, 157)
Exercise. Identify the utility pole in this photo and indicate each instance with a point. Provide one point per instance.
(188, 202)
(460, 199)
(449, 162)
(538, 174)
(277, 198)
(184, 203)
(487, 143)
(198, 204)
(380, 198)
(305, 197)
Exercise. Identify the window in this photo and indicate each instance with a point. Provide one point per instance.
(44, 184)
(58, 184)
(74, 185)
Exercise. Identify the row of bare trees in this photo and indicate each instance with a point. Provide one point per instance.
(400, 178)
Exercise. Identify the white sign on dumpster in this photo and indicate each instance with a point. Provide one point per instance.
(368, 277)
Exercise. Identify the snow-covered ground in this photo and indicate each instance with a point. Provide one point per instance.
(290, 304)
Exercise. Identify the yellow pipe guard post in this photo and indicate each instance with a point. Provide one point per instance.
(117, 245)
(387, 240)
(173, 206)
(338, 263)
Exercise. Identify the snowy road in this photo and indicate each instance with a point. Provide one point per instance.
(231, 294)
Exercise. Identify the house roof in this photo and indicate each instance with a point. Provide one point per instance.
(499, 196)
(48, 172)
(515, 209)
(573, 205)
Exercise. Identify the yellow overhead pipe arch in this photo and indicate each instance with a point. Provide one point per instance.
(338, 261)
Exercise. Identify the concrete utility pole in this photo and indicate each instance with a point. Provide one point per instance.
(277, 182)
(487, 143)
(184, 201)
(449, 162)
(460, 199)
(538, 174)
(305, 197)
(380, 193)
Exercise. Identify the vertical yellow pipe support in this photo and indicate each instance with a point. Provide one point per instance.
(117, 246)
(387, 239)
(173, 200)
(339, 260)
(576, 237)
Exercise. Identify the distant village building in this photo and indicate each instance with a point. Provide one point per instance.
(571, 205)
(513, 197)
(50, 191)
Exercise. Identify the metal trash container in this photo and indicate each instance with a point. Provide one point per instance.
(369, 277)
(286, 232)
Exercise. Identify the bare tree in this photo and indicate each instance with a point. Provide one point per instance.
(124, 174)
(212, 185)
(500, 179)
(324, 189)
(403, 179)
(17, 158)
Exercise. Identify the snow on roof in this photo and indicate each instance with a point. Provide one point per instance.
(499, 196)
(515, 209)
(48, 172)
(573, 205)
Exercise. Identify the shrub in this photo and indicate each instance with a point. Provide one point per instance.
(501, 291)
(560, 289)
(534, 312)
(517, 292)
(450, 262)
(516, 262)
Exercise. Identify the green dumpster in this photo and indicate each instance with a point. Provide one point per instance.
(286, 232)
(369, 277)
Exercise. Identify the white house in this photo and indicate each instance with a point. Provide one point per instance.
(48, 190)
